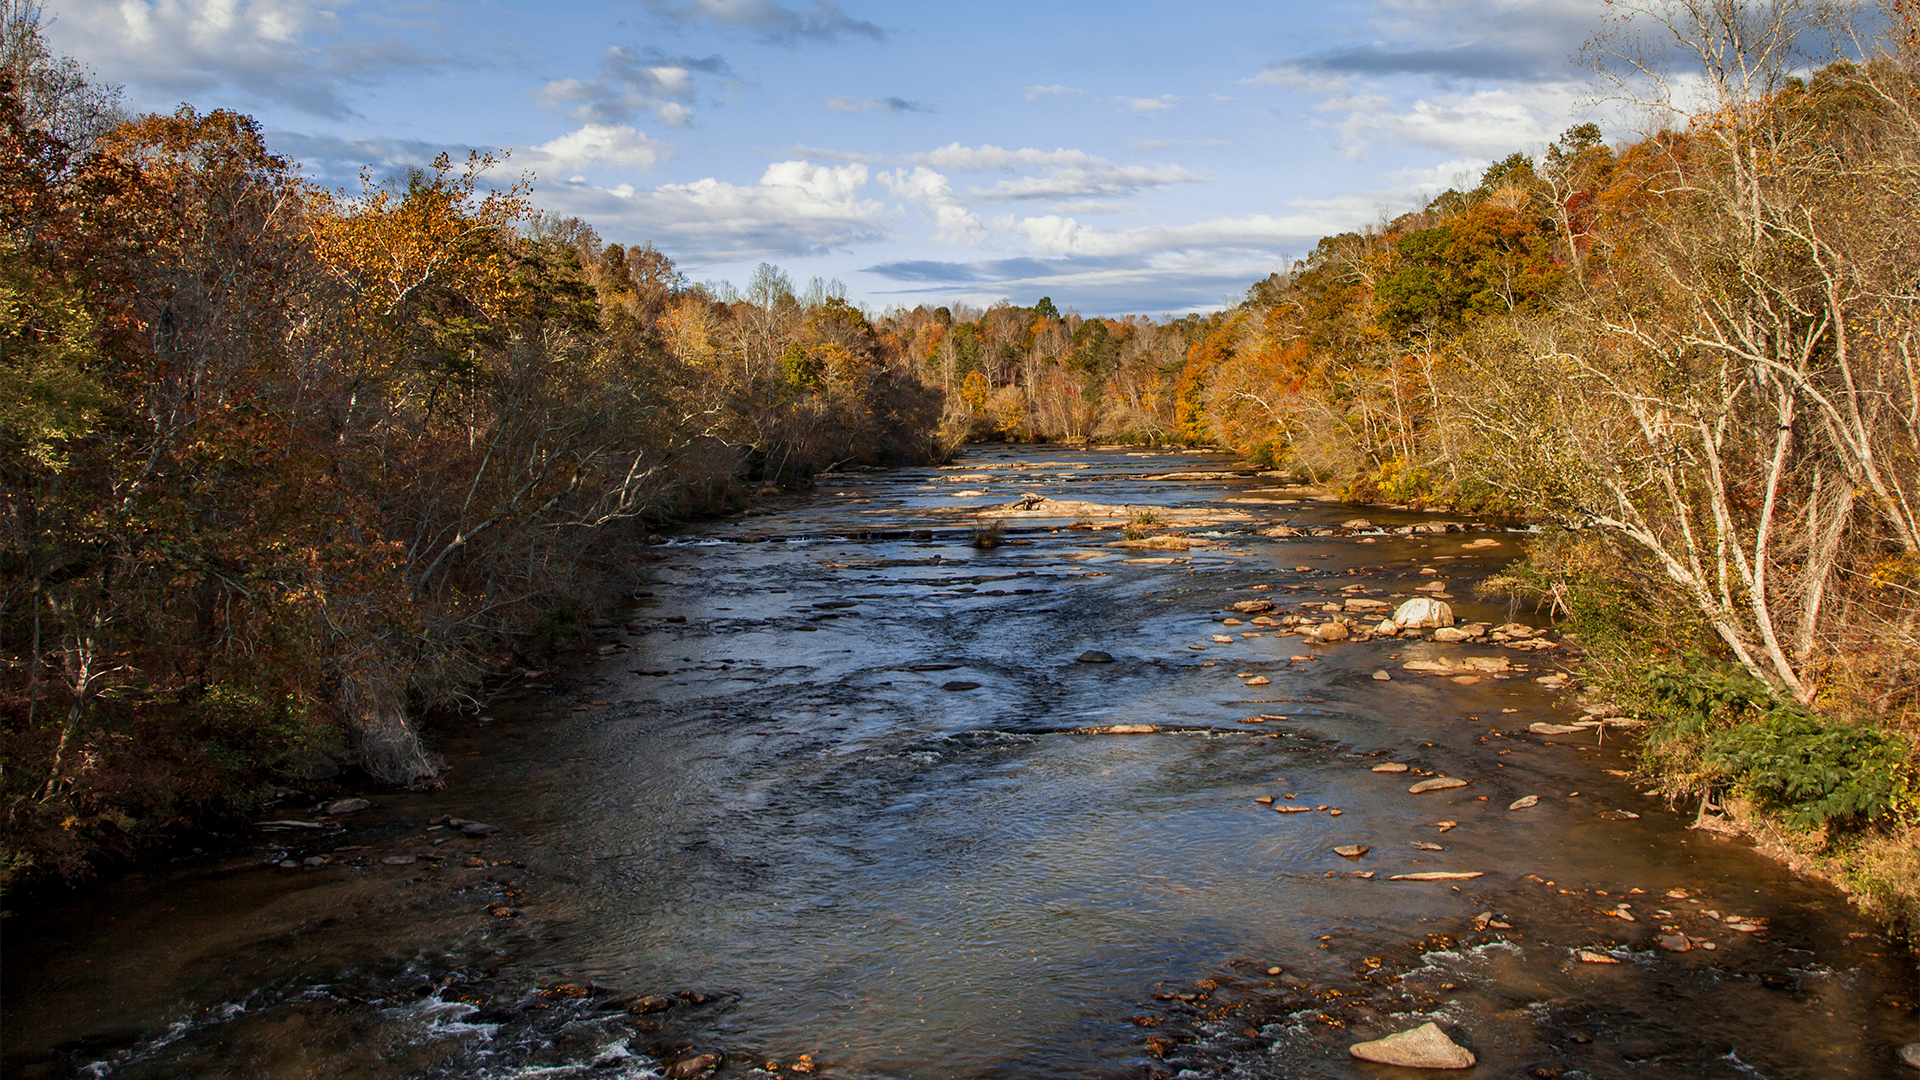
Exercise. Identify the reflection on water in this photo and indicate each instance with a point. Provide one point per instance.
(774, 807)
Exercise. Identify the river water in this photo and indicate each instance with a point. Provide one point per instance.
(759, 808)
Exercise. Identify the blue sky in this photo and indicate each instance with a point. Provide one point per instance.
(1120, 157)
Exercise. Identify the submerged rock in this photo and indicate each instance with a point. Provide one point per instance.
(690, 1067)
(1425, 1047)
(1095, 656)
(960, 684)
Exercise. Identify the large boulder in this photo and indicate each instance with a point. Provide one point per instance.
(1422, 612)
(1425, 1047)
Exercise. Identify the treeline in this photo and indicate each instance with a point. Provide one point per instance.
(282, 469)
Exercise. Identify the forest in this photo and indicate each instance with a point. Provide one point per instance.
(287, 469)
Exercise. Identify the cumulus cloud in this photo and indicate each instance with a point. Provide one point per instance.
(1483, 124)
(886, 104)
(631, 81)
(1067, 180)
(795, 208)
(617, 146)
(953, 222)
(297, 53)
(770, 21)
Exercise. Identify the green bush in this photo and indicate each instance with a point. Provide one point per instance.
(1816, 771)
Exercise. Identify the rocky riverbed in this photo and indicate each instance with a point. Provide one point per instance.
(1226, 793)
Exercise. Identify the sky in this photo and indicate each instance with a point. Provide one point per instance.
(1118, 157)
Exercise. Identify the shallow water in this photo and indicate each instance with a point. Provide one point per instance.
(775, 806)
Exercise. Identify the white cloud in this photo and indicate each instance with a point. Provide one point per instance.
(1149, 105)
(960, 158)
(1096, 179)
(631, 81)
(953, 222)
(615, 146)
(1052, 234)
(1484, 124)
(299, 53)
(796, 208)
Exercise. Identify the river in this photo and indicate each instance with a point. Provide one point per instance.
(826, 799)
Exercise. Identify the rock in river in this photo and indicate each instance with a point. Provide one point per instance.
(1524, 802)
(1438, 783)
(1909, 1055)
(1390, 766)
(347, 806)
(1422, 612)
(689, 1067)
(1351, 851)
(1095, 656)
(476, 828)
(1425, 1047)
(1332, 631)
(960, 684)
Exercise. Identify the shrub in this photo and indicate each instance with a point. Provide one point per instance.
(1815, 770)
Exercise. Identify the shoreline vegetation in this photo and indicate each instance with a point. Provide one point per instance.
(286, 469)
